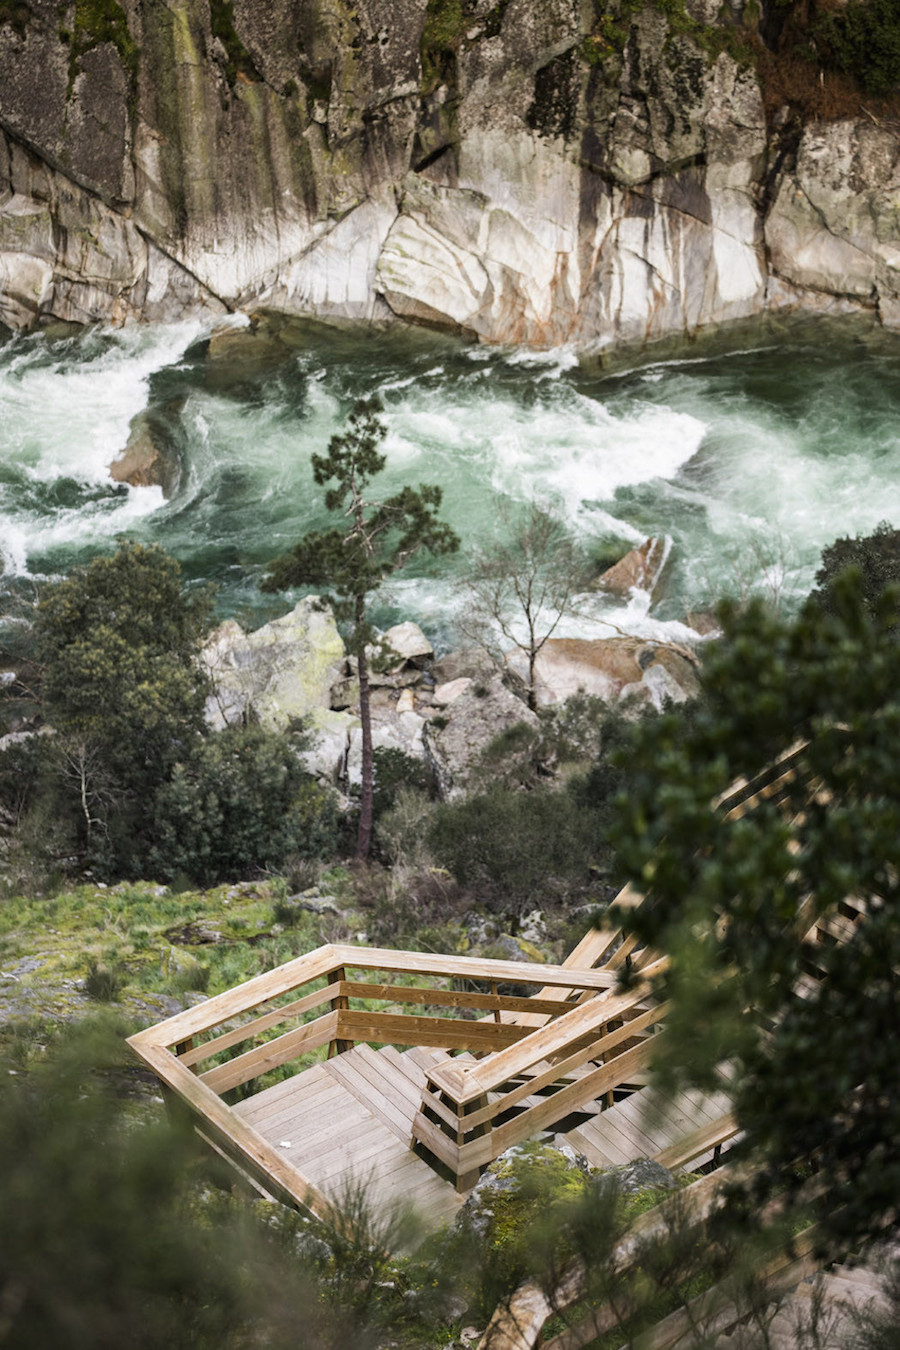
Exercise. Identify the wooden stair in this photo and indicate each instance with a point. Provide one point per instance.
(675, 1131)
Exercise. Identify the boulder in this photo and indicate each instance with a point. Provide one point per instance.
(279, 673)
(328, 744)
(480, 713)
(409, 642)
(150, 458)
(642, 569)
(445, 694)
(613, 669)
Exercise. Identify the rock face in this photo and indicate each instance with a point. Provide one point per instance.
(475, 718)
(642, 569)
(614, 669)
(507, 170)
(279, 673)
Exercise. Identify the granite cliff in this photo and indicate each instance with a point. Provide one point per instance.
(535, 171)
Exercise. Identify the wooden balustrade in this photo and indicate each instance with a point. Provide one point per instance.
(323, 1013)
(472, 1112)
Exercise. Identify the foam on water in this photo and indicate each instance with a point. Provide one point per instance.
(751, 459)
(66, 410)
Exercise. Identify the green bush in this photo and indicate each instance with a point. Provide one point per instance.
(395, 769)
(514, 847)
(863, 39)
(241, 803)
(877, 558)
(106, 1241)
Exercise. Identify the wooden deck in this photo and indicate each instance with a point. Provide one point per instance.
(412, 1105)
(410, 1072)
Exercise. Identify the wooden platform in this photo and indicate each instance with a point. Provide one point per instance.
(348, 1122)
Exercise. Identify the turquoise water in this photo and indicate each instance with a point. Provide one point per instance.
(751, 452)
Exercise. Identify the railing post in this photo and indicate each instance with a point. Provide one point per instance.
(339, 1003)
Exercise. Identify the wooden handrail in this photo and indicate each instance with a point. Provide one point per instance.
(466, 1082)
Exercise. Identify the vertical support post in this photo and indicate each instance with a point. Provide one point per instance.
(494, 991)
(182, 1048)
(339, 1003)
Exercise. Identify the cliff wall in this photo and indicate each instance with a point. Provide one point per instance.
(535, 171)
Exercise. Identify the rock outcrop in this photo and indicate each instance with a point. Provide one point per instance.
(614, 669)
(516, 170)
(277, 674)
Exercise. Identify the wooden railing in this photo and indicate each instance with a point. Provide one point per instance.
(308, 1004)
(472, 1112)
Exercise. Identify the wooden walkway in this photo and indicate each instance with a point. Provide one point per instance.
(348, 1123)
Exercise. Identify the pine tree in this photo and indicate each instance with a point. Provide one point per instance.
(352, 559)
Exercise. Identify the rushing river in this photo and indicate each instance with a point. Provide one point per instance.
(751, 453)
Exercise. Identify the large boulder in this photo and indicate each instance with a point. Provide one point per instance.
(150, 458)
(833, 225)
(279, 673)
(614, 669)
(455, 741)
(642, 569)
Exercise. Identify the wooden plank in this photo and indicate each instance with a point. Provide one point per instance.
(453, 998)
(379, 1063)
(299, 1084)
(406, 1068)
(445, 1032)
(606, 1137)
(443, 1147)
(259, 1024)
(657, 1131)
(263, 1163)
(707, 1137)
(377, 1097)
(575, 1062)
(601, 1080)
(312, 1106)
(244, 997)
(594, 1149)
(271, 1054)
(585, 1020)
(467, 967)
(306, 1092)
(618, 1122)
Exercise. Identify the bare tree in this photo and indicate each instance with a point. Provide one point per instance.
(523, 585)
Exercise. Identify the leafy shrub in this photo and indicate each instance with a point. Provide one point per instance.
(395, 769)
(107, 1244)
(877, 558)
(863, 39)
(241, 803)
(514, 847)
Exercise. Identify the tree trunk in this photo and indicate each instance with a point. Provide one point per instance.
(364, 836)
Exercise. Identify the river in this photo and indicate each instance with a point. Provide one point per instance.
(750, 450)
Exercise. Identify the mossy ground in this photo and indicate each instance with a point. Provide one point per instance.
(163, 949)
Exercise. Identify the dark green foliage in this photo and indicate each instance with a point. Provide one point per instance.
(118, 640)
(725, 892)
(105, 1246)
(240, 803)
(876, 555)
(514, 848)
(381, 537)
(863, 39)
(395, 769)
